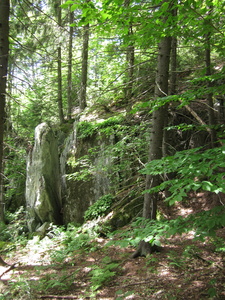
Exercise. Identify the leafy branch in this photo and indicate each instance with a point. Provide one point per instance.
(195, 170)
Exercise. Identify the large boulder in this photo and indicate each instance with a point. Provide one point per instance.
(81, 192)
(43, 183)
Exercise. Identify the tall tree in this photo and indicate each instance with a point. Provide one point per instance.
(130, 57)
(70, 61)
(156, 137)
(158, 124)
(84, 71)
(211, 115)
(59, 63)
(4, 50)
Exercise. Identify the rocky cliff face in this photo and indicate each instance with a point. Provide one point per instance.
(43, 183)
(56, 192)
(85, 180)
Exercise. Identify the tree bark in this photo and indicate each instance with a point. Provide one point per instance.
(59, 69)
(4, 51)
(173, 77)
(60, 104)
(130, 71)
(211, 114)
(130, 57)
(156, 140)
(83, 91)
(158, 123)
(69, 75)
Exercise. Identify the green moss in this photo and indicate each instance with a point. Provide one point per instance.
(87, 129)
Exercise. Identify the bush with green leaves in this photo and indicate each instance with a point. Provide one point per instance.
(124, 148)
(72, 239)
(87, 129)
(15, 172)
(16, 230)
(99, 208)
(204, 224)
(119, 157)
(196, 170)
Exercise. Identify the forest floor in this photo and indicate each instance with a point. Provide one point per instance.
(184, 269)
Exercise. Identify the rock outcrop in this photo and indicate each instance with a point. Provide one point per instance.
(80, 192)
(68, 171)
(53, 193)
(43, 183)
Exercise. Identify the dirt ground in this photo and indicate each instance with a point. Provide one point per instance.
(184, 269)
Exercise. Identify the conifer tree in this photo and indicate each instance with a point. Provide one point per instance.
(4, 50)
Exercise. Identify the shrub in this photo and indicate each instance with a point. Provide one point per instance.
(99, 208)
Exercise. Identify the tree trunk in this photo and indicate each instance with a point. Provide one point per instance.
(211, 115)
(172, 91)
(158, 124)
(173, 69)
(128, 90)
(83, 91)
(4, 50)
(60, 104)
(130, 72)
(156, 140)
(59, 64)
(69, 75)
(130, 63)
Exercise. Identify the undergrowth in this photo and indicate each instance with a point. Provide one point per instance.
(99, 208)
(194, 169)
(204, 225)
(61, 245)
(103, 273)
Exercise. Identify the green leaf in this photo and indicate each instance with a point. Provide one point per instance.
(74, 7)
(67, 4)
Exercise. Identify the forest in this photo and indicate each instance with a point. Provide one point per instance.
(112, 149)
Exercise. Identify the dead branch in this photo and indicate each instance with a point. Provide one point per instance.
(57, 297)
(196, 116)
(10, 267)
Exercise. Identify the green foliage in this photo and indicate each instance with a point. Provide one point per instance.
(88, 129)
(101, 275)
(219, 244)
(16, 230)
(203, 224)
(99, 208)
(197, 89)
(212, 292)
(24, 288)
(53, 282)
(195, 170)
(84, 166)
(80, 241)
(175, 261)
(74, 238)
(127, 152)
(20, 289)
(15, 172)
(121, 295)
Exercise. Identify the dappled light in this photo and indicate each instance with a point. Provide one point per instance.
(50, 267)
(112, 150)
